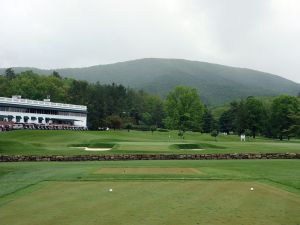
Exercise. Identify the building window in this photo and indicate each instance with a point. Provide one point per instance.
(18, 119)
(26, 118)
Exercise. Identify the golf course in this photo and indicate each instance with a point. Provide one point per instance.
(149, 191)
(149, 112)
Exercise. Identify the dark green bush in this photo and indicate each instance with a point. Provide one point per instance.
(162, 130)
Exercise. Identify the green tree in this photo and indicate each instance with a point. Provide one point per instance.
(78, 92)
(294, 129)
(155, 107)
(153, 128)
(248, 133)
(4, 86)
(33, 86)
(256, 115)
(226, 121)
(241, 117)
(245, 114)
(235, 122)
(56, 74)
(208, 121)
(184, 109)
(147, 118)
(282, 108)
(10, 73)
(114, 121)
(214, 134)
(128, 126)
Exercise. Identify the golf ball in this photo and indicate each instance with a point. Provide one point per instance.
(252, 189)
(110, 190)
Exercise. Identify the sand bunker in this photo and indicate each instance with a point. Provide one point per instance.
(96, 149)
(93, 149)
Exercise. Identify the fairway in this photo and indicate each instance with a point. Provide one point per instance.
(47, 142)
(133, 203)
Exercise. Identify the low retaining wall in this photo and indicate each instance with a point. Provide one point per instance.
(122, 157)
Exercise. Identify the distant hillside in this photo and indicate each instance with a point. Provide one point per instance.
(216, 83)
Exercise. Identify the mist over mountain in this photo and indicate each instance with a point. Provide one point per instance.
(216, 83)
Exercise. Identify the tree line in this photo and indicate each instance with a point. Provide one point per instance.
(280, 119)
(118, 107)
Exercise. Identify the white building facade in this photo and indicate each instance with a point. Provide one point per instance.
(42, 113)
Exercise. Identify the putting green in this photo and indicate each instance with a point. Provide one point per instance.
(135, 203)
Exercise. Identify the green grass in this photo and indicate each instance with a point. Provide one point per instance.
(27, 142)
(173, 202)
(146, 192)
(283, 173)
(77, 192)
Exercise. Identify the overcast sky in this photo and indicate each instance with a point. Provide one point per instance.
(257, 34)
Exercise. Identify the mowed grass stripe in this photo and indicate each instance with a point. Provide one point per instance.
(192, 202)
(149, 170)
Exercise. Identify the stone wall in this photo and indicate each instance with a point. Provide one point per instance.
(122, 157)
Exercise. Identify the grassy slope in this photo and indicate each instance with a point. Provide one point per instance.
(28, 142)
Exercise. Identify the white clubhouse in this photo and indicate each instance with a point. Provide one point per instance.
(42, 114)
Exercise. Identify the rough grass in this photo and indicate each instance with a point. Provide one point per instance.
(172, 202)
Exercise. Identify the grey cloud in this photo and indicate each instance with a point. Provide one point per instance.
(72, 33)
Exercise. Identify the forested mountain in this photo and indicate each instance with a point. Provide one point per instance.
(216, 83)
